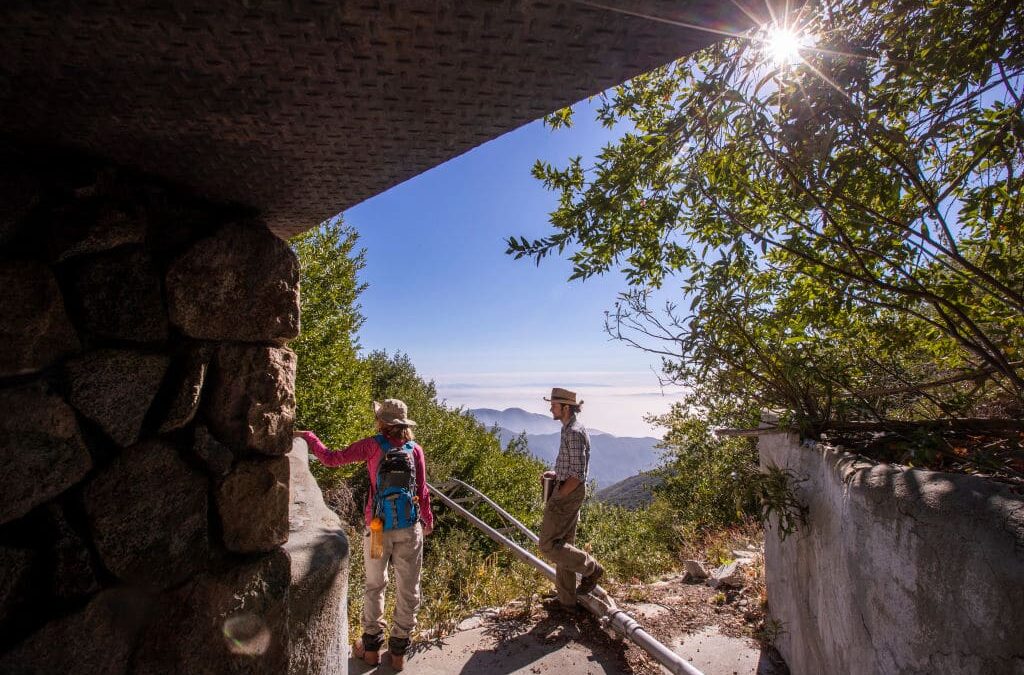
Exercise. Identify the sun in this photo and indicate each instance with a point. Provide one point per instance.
(783, 45)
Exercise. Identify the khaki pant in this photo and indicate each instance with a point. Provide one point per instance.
(404, 549)
(557, 533)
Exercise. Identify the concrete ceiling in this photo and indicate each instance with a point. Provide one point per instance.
(303, 108)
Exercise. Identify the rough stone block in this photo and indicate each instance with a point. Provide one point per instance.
(35, 330)
(118, 295)
(190, 373)
(250, 400)
(96, 639)
(215, 455)
(93, 226)
(231, 621)
(17, 564)
(74, 574)
(19, 194)
(730, 575)
(148, 515)
(41, 449)
(115, 389)
(241, 284)
(253, 505)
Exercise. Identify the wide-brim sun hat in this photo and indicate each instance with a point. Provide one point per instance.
(393, 412)
(559, 395)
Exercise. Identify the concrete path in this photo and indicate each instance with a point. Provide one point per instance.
(494, 646)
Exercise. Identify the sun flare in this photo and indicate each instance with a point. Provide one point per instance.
(783, 45)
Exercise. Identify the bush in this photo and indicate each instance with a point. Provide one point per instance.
(637, 544)
(706, 480)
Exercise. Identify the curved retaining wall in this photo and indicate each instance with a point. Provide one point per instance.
(897, 570)
(317, 603)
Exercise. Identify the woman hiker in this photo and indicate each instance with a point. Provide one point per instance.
(397, 517)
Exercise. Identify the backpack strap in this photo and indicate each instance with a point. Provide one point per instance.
(385, 445)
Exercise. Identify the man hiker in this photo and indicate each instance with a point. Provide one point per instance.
(562, 510)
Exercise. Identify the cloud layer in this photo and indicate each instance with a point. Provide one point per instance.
(615, 402)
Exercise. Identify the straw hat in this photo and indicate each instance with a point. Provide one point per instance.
(393, 412)
(559, 395)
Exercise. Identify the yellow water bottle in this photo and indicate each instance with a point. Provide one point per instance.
(376, 538)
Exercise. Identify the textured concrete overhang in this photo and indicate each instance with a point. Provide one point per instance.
(303, 108)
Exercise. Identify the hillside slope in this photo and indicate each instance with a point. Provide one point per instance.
(633, 493)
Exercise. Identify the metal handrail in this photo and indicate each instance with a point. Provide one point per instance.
(605, 610)
(500, 511)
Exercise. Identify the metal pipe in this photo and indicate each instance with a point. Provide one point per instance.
(501, 512)
(496, 536)
(608, 613)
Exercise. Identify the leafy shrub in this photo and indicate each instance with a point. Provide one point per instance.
(706, 479)
(630, 544)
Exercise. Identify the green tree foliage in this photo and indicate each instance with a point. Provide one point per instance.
(707, 481)
(631, 544)
(332, 385)
(847, 230)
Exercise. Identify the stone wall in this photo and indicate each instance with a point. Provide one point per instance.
(146, 409)
(897, 570)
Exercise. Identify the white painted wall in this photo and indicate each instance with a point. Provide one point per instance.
(897, 570)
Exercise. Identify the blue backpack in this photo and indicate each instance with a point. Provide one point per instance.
(395, 501)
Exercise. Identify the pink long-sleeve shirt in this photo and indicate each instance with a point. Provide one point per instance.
(368, 450)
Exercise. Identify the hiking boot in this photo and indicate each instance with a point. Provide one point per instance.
(367, 648)
(589, 582)
(396, 652)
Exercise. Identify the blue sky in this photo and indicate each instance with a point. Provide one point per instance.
(489, 330)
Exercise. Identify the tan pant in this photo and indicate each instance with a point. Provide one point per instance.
(557, 533)
(404, 549)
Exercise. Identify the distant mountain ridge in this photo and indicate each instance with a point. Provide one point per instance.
(612, 458)
(517, 420)
(633, 493)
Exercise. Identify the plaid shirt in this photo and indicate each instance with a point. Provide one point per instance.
(573, 452)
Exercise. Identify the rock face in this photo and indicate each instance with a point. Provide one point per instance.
(250, 403)
(190, 372)
(214, 454)
(253, 505)
(35, 330)
(41, 450)
(694, 571)
(15, 582)
(119, 296)
(123, 437)
(228, 621)
(19, 194)
(730, 576)
(115, 388)
(241, 284)
(148, 515)
(96, 639)
(93, 226)
(74, 574)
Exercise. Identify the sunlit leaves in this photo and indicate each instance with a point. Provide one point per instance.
(868, 200)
